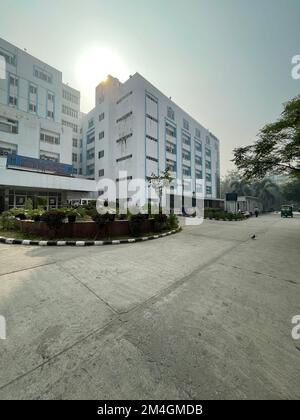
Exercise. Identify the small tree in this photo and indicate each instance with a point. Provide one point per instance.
(159, 182)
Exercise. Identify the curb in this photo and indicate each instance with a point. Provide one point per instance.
(225, 220)
(12, 241)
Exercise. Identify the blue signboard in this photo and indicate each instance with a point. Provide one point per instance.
(38, 165)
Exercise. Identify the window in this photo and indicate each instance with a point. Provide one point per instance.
(90, 154)
(7, 149)
(151, 98)
(101, 154)
(48, 137)
(207, 164)
(74, 157)
(198, 160)
(197, 133)
(171, 130)
(198, 174)
(198, 147)
(152, 158)
(124, 97)
(69, 111)
(207, 152)
(186, 170)
(101, 116)
(90, 169)
(171, 113)
(71, 125)
(207, 140)
(9, 57)
(13, 81)
(186, 139)
(33, 89)
(53, 157)
(126, 178)
(50, 114)
(70, 97)
(13, 100)
(8, 126)
(90, 138)
(75, 171)
(208, 177)
(101, 135)
(151, 138)
(80, 142)
(186, 125)
(186, 155)
(208, 189)
(124, 138)
(101, 172)
(124, 117)
(75, 142)
(32, 108)
(91, 123)
(42, 75)
(170, 147)
(171, 165)
(50, 97)
(124, 158)
(152, 118)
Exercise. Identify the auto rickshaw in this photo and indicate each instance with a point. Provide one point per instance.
(286, 211)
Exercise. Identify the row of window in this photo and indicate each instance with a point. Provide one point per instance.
(42, 75)
(124, 97)
(185, 123)
(69, 111)
(70, 125)
(9, 126)
(124, 138)
(124, 117)
(50, 138)
(9, 57)
(152, 118)
(68, 96)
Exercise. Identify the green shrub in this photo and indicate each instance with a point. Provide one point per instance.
(135, 223)
(173, 221)
(39, 202)
(54, 219)
(28, 206)
(161, 222)
(8, 221)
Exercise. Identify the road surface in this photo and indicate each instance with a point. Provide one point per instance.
(203, 314)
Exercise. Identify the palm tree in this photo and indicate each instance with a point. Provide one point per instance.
(267, 192)
(241, 187)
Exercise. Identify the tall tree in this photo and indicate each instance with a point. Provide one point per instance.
(277, 149)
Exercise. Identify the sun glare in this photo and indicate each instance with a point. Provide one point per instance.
(94, 65)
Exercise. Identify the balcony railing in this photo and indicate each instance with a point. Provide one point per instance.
(38, 165)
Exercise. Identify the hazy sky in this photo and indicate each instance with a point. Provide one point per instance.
(226, 62)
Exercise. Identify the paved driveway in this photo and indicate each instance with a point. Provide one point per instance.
(202, 314)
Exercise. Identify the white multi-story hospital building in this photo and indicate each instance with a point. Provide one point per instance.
(48, 148)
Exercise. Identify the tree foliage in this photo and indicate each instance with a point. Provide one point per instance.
(291, 191)
(268, 192)
(277, 149)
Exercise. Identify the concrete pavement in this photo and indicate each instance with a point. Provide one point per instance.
(203, 314)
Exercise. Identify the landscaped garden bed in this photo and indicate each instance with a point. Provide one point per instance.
(217, 214)
(81, 224)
